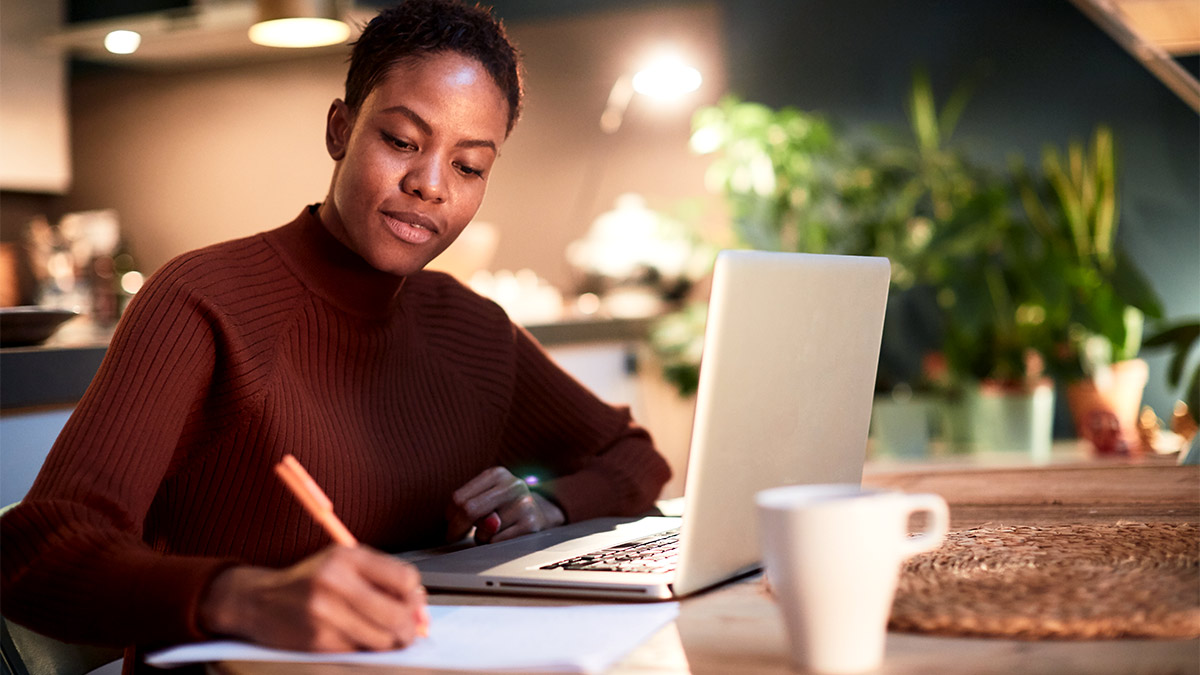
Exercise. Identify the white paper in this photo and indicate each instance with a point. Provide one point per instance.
(573, 639)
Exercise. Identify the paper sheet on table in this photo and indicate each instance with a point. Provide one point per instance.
(573, 639)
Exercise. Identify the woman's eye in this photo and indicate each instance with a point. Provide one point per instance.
(470, 171)
(403, 145)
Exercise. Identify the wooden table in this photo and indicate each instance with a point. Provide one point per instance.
(1150, 491)
(735, 629)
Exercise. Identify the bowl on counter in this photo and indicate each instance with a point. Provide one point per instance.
(27, 325)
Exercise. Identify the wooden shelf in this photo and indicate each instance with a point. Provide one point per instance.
(1152, 30)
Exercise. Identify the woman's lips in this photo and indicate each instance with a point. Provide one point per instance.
(410, 227)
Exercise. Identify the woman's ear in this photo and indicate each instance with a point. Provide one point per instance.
(338, 124)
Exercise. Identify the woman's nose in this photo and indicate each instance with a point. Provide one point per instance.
(424, 180)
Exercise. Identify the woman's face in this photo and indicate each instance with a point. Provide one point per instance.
(413, 162)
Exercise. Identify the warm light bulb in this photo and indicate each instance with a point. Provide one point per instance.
(668, 78)
(122, 41)
(299, 32)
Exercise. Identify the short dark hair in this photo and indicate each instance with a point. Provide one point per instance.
(415, 29)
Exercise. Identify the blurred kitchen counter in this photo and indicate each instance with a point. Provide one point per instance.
(582, 331)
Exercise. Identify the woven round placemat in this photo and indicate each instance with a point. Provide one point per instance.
(1067, 582)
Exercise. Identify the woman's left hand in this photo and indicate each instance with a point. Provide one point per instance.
(500, 506)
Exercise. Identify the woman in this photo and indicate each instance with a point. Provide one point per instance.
(415, 403)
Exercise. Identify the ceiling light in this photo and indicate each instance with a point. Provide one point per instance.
(122, 41)
(299, 23)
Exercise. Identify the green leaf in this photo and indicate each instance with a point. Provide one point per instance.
(1068, 201)
(1133, 287)
(1180, 337)
(1103, 155)
(952, 111)
(922, 112)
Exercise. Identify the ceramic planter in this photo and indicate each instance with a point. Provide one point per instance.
(1012, 419)
(900, 427)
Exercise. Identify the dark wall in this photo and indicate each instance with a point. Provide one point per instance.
(1043, 73)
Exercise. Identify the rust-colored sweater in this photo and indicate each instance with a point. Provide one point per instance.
(392, 392)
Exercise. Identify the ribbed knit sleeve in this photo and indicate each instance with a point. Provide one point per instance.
(74, 560)
(597, 460)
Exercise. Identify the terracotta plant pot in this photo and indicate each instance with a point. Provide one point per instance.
(1105, 407)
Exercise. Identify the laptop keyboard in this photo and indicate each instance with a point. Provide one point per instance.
(654, 553)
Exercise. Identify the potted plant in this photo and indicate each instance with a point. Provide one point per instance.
(996, 332)
(1101, 299)
(995, 328)
(956, 239)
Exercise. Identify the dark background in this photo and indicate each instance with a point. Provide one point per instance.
(1042, 73)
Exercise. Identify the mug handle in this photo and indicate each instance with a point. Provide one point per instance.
(936, 527)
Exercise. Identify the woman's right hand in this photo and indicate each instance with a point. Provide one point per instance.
(345, 598)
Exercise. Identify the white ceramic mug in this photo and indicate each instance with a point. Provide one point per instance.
(832, 555)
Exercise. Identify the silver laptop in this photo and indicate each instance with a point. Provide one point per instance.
(791, 347)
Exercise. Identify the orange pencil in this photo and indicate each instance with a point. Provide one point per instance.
(313, 499)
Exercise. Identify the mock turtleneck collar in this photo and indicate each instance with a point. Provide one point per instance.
(331, 270)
